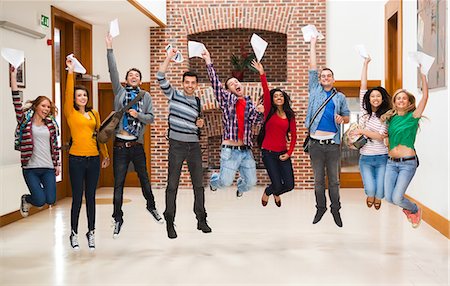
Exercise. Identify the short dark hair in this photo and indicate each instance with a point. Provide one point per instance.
(81, 87)
(226, 81)
(327, 69)
(136, 70)
(190, 73)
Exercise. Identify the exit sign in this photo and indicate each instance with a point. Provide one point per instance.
(44, 21)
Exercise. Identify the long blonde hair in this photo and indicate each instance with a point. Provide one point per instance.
(392, 112)
(32, 104)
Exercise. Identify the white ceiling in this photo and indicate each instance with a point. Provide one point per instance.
(101, 12)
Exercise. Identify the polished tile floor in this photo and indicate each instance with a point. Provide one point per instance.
(249, 245)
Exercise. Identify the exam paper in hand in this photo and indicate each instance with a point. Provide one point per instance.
(259, 46)
(114, 28)
(423, 59)
(178, 58)
(310, 31)
(78, 67)
(195, 49)
(14, 57)
(361, 49)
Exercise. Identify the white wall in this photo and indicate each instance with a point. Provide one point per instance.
(430, 185)
(156, 7)
(38, 82)
(350, 23)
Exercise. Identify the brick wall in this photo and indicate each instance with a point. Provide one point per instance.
(190, 19)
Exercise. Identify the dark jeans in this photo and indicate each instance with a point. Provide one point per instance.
(178, 153)
(325, 157)
(42, 185)
(280, 173)
(122, 158)
(84, 173)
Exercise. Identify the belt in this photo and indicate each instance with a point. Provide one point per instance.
(242, 147)
(323, 141)
(402, 159)
(126, 144)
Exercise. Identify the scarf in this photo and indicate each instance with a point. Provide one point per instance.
(130, 124)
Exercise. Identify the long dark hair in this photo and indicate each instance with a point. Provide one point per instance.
(87, 108)
(384, 106)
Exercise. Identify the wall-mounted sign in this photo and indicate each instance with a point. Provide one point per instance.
(44, 21)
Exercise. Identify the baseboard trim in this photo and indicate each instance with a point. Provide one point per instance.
(434, 219)
(15, 216)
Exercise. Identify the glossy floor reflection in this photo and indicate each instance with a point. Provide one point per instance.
(249, 245)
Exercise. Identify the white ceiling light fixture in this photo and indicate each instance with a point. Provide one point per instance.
(21, 30)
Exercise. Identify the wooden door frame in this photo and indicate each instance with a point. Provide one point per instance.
(73, 28)
(393, 50)
(351, 90)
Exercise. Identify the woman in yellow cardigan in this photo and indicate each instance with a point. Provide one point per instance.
(84, 157)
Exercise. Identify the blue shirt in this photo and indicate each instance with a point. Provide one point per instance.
(317, 96)
(327, 121)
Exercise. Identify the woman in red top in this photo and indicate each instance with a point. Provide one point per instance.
(279, 121)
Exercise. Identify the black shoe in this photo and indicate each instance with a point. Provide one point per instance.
(318, 216)
(337, 218)
(117, 228)
(74, 240)
(203, 226)
(171, 233)
(211, 188)
(156, 215)
(24, 206)
(90, 235)
(239, 194)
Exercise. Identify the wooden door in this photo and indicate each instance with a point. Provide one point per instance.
(393, 45)
(105, 106)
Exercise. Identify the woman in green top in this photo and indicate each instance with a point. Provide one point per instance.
(403, 120)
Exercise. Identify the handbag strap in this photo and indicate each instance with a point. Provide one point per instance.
(320, 109)
(133, 102)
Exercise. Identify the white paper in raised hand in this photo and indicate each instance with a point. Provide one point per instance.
(195, 49)
(78, 67)
(423, 59)
(14, 57)
(361, 49)
(178, 57)
(310, 31)
(114, 28)
(259, 46)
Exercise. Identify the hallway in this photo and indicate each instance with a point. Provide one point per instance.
(249, 245)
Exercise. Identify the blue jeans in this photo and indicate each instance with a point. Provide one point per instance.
(230, 162)
(396, 181)
(372, 170)
(84, 173)
(325, 157)
(42, 185)
(192, 154)
(122, 158)
(280, 173)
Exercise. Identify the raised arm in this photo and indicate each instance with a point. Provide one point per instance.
(165, 85)
(112, 66)
(68, 102)
(267, 101)
(423, 102)
(364, 73)
(16, 95)
(220, 93)
(312, 54)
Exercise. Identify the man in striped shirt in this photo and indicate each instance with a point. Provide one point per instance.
(184, 124)
(238, 116)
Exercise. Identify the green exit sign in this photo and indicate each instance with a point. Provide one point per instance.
(44, 21)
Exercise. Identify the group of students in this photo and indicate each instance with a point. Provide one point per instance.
(386, 172)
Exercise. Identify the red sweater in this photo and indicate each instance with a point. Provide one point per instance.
(276, 127)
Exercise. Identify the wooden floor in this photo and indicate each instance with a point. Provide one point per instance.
(249, 245)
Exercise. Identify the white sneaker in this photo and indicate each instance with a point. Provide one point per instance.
(74, 240)
(90, 235)
(24, 206)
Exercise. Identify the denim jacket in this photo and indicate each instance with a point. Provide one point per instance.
(317, 96)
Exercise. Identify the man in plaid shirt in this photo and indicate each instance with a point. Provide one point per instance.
(238, 116)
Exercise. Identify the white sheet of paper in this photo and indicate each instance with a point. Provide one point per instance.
(14, 57)
(361, 49)
(114, 28)
(310, 31)
(259, 46)
(423, 59)
(195, 49)
(78, 66)
(178, 58)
